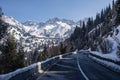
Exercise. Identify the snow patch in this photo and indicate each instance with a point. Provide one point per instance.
(75, 52)
(108, 64)
(112, 55)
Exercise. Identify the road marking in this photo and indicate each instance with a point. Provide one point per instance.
(67, 58)
(81, 70)
(55, 72)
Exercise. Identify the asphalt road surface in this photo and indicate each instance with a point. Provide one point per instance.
(78, 67)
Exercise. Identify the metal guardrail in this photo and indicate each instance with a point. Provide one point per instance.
(27, 73)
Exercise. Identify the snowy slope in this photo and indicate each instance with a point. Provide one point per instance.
(52, 28)
(34, 34)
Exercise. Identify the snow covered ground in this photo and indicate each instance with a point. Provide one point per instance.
(110, 56)
(108, 64)
(111, 59)
(113, 56)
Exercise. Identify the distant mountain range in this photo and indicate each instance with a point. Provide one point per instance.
(32, 33)
(55, 28)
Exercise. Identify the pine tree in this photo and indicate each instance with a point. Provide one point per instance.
(118, 12)
(44, 54)
(21, 57)
(113, 7)
(12, 51)
(102, 15)
(61, 48)
(83, 29)
(97, 20)
(76, 33)
(113, 4)
(1, 13)
(10, 54)
(3, 26)
(11, 59)
(90, 24)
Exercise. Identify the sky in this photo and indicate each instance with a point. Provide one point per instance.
(42, 10)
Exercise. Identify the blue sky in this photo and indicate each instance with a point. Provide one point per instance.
(42, 10)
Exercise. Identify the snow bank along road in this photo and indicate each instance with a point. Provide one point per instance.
(78, 67)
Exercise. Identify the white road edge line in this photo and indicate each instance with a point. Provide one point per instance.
(81, 70)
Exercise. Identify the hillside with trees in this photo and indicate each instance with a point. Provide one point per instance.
(92, 34)
(11, 57)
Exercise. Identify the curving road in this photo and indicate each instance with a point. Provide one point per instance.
(78, 67)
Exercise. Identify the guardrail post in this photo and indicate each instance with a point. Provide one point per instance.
(60, 57)
(39, 67)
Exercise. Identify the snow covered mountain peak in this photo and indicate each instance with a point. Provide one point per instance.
(55, 27)
(11, 21)
(53, 20)
(31, 23)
